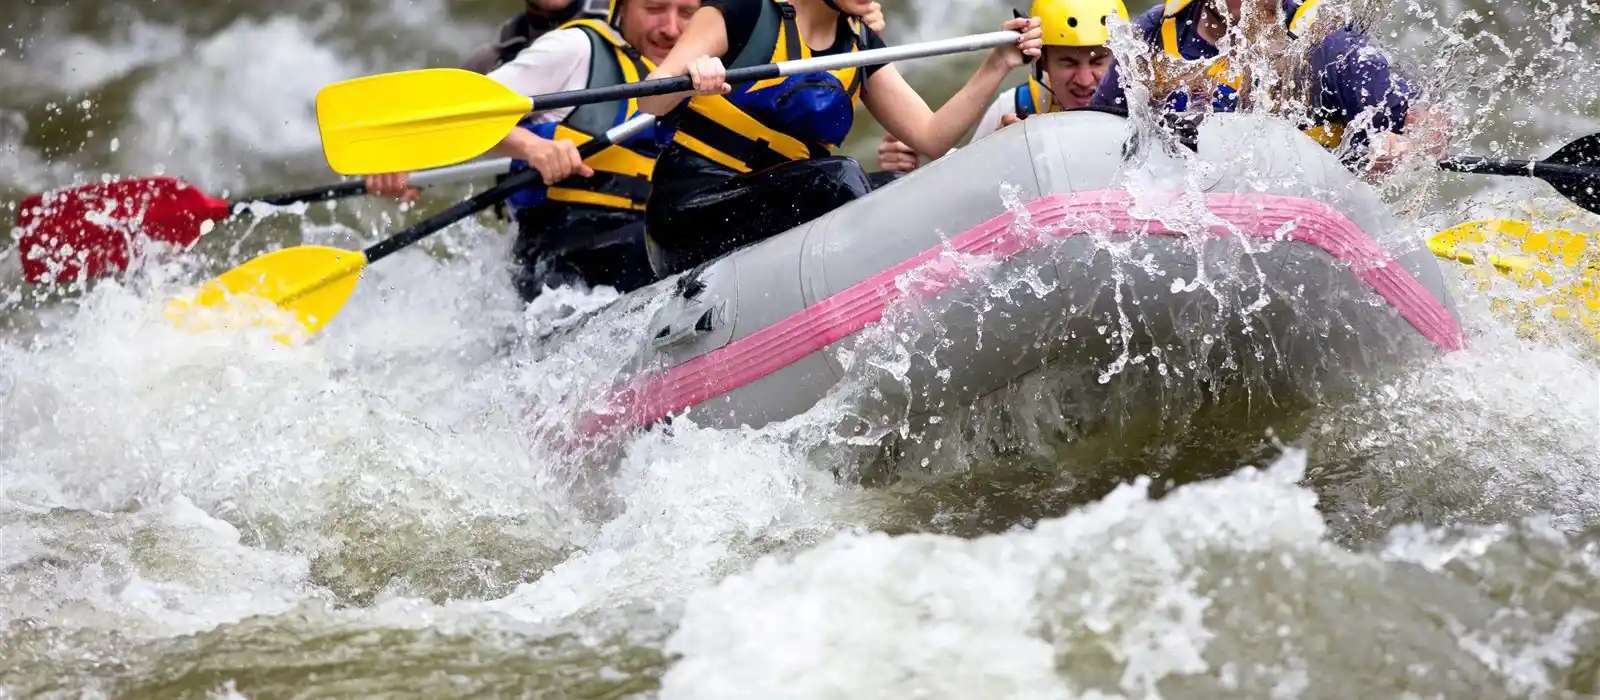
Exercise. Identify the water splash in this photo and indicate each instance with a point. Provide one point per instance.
(389, 513)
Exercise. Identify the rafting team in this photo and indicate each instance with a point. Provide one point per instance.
(722, 169)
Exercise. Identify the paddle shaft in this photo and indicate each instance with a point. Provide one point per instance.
(494, 195)
(683, 83)
(1506, 166)
(354, 188)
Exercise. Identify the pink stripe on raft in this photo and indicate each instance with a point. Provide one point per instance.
(654, 397)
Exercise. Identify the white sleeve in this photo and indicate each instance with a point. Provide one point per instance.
(1005, 104)
(555, 62)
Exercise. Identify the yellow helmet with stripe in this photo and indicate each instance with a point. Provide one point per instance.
(1076, 22)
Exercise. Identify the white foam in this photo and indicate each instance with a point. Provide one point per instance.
(933, 616)
(161, 484)
(246, 93)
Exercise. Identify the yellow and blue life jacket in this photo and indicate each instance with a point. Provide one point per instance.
(1225, 97)
(1033, 98)
(622, 172)
(777, 120)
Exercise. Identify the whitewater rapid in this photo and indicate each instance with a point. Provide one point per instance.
(387, 511)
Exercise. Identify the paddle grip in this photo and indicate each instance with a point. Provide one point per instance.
(478, 202)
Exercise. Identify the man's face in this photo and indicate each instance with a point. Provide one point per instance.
(1075, 72)
(653, 26)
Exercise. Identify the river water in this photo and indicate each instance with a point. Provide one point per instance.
(375, 514)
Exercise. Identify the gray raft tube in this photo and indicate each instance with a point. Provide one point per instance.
(764, 333)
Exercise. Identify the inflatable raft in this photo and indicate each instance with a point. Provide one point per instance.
(1256, 244)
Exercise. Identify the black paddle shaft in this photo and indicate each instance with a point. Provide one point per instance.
(478, 202)
(1573, 170)
(351, 188)
(648, 88)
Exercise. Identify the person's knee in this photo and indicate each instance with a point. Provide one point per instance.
(847, 175)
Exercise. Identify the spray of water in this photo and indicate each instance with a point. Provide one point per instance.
(390, 510)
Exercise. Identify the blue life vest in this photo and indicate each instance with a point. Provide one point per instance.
(778, 120)
(1033, 98)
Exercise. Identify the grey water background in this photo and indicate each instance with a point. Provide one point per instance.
(185, 519)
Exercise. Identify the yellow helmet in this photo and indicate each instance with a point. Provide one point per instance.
(1076, 22)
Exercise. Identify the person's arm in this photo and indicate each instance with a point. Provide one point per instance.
(1365, 89)
(896, 157)
(1110, 92)
(706, 38)
(992, 120)
(905, 114)
(549, 64)
(874, 17)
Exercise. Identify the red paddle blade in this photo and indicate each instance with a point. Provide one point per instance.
(89, 229)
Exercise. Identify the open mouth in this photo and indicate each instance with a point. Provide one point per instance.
(1079, 94)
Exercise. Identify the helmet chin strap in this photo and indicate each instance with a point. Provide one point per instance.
(834, 6)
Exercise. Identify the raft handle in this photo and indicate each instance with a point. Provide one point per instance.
(667, 337)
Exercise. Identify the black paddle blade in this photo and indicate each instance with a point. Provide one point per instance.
(1583, 189)
(1585, 152)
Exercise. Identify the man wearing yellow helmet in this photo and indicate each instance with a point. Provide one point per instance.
(1075, 59)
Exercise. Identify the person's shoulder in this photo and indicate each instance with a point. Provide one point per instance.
(566, 39)
(1150, 19)
(1350, 45)
(562, 46)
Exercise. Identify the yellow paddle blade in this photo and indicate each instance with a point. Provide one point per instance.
(1557, 261)
(413, 120)
(294, 291)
